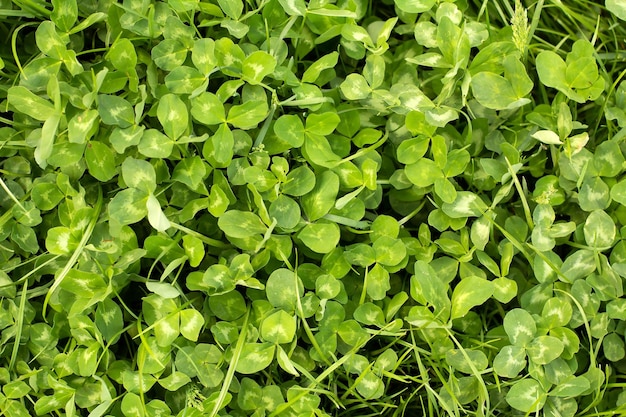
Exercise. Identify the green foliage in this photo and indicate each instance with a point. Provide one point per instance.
(312, 208)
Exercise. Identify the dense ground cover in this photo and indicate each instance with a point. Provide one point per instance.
(322, 208)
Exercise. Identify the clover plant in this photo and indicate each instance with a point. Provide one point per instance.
(312, 208)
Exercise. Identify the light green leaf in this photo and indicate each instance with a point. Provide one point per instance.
(293, 7)
(544, 349)
(360, 254)
(84, 284)
(109, 319)
(115, 110)
(255, 357)
(520, 326)
(139, 174)
(123, 138)
(132, 405)
(369, 314)
(582, 72)
(279, 327)
(48, 40)
(370, 386)
(194, 249)
(527, 396)
(551, 69)
(470, 292)
(515, 73)
(174, 381)
(27, 214)
(445, 190)
(355, 87)
(480, 232)
(327, 286)
(290, 129)
(573, 386)
(185, 80)
(46, 196)
(594, 194)
(169, 54)
(389, 251)
(613, 347)
(156, 217)
(428, 288)
(229, 56)
(578, 265)
(320, 237)
(465, 360)
(618, 192)
(285, 362)
(466, 204)
(412, 150)
(218, 150)
(283, 288)
(172, 113)
(617, 7)
(377, 283)
(218, 201)
(248, 114)
(82, 126)
(60, 241)
(16, 389)
(241, 224)
(191, 323)
(599, 230)
(495, 92)
(190, 171)
(207, 109)
(312, 73)
(50, 403)
(351, 333)
(217, 279)
(37, 73)
(44, 151)
(30, 104)
(548, 137)
(616, 309)
(510, 361)
(374, 70)
(64, 14)
(154, 144)
(415, 6)
(87, 359)
(286, 212)
(100, 161)
(323, 123)
(203, 55)
(321, 198)
(257, 66)
(300, 181)
(128, 206)
(504, 289)
(122, 55)
(608, 159)
(318, 151)
(231, 8)
(423, 173)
